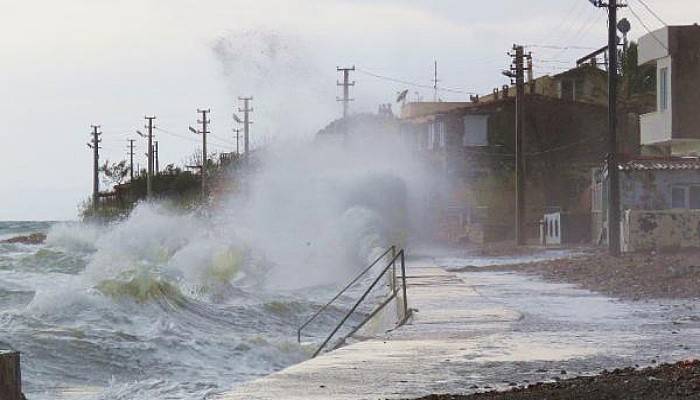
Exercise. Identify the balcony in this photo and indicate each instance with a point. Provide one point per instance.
(655, 128)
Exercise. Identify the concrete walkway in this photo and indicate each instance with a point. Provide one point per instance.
(482, 330)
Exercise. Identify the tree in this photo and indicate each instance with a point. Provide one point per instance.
(115, 173)
(637, 79)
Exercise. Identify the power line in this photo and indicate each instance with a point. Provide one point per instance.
(555, 47)
(564, 147)
(638, 18)
(414, 84)
(582, 31)
(652, 12)
(222, 140)
(188, 138)
(575, 6)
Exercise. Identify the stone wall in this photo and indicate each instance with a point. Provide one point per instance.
(644, 230)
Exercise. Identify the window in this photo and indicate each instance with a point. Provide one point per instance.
(431, 136)
(663, 89)
(567, 90)
(686, 197)
(441, 133)
(694, 197)
(678, 195)
(579, 86)
(475, 130)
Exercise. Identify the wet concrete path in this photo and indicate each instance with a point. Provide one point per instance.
(480, 330)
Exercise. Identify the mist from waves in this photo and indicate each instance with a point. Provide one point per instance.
(185, 304)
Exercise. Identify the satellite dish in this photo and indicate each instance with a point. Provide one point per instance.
(624, 26)
(192, 130)
(235, 118)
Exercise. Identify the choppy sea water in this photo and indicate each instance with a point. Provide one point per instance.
(169, 318)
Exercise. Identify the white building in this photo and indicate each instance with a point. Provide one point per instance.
(674, 128)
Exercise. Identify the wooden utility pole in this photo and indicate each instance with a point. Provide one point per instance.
(204, 123)
(149, 174)
(10, 376)
(94, 144)
(246, 110)
(612, 161)
(517, 72)
(238, 137)
(155, 152)
(131, 158)
(346, 84)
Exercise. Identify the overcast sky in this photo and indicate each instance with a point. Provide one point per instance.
(68, 64)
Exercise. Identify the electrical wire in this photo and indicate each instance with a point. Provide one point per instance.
(555, 47)
(636, 16)
(217, 141)
(177, 135)
(642, 2)
(576, 4)
(583, 30)
(414, 84)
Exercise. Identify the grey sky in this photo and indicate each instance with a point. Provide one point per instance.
(68, 64)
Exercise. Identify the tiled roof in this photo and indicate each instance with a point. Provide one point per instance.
(658, 164)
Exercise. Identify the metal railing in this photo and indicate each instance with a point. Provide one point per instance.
(389, 266)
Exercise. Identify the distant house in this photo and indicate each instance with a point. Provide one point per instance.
(583, 84)
(660, 202)
(674, 128)
(660, 190)
(471, 149)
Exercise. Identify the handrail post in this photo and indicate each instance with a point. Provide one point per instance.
(393, 266)
(403, 277)
(357, 278)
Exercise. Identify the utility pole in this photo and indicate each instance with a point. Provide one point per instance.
(131, 158)
(530, 73)
(435, 83)
(517, 72)
(246, 110)
(238, 137)
(155, 152)
(149, 174)
(346, 88)
(94, 144)
(613, 172)
(204, 123)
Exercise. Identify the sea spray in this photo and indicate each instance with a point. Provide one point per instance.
(173, 303)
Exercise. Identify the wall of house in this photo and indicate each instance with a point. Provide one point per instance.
(685, 50)
(651, 190)
(660, 230)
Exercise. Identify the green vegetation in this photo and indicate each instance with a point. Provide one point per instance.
(172, 185)
(637, 79)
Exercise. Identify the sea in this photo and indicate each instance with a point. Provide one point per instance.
(174, 302)
(147, 331)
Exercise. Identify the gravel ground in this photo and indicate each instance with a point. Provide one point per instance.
(677, 381)
(632, 276)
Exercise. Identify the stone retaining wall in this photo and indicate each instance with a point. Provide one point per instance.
(644, 230)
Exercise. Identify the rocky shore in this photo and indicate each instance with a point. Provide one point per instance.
(669, 382)
(34, 238)
(635, 276)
